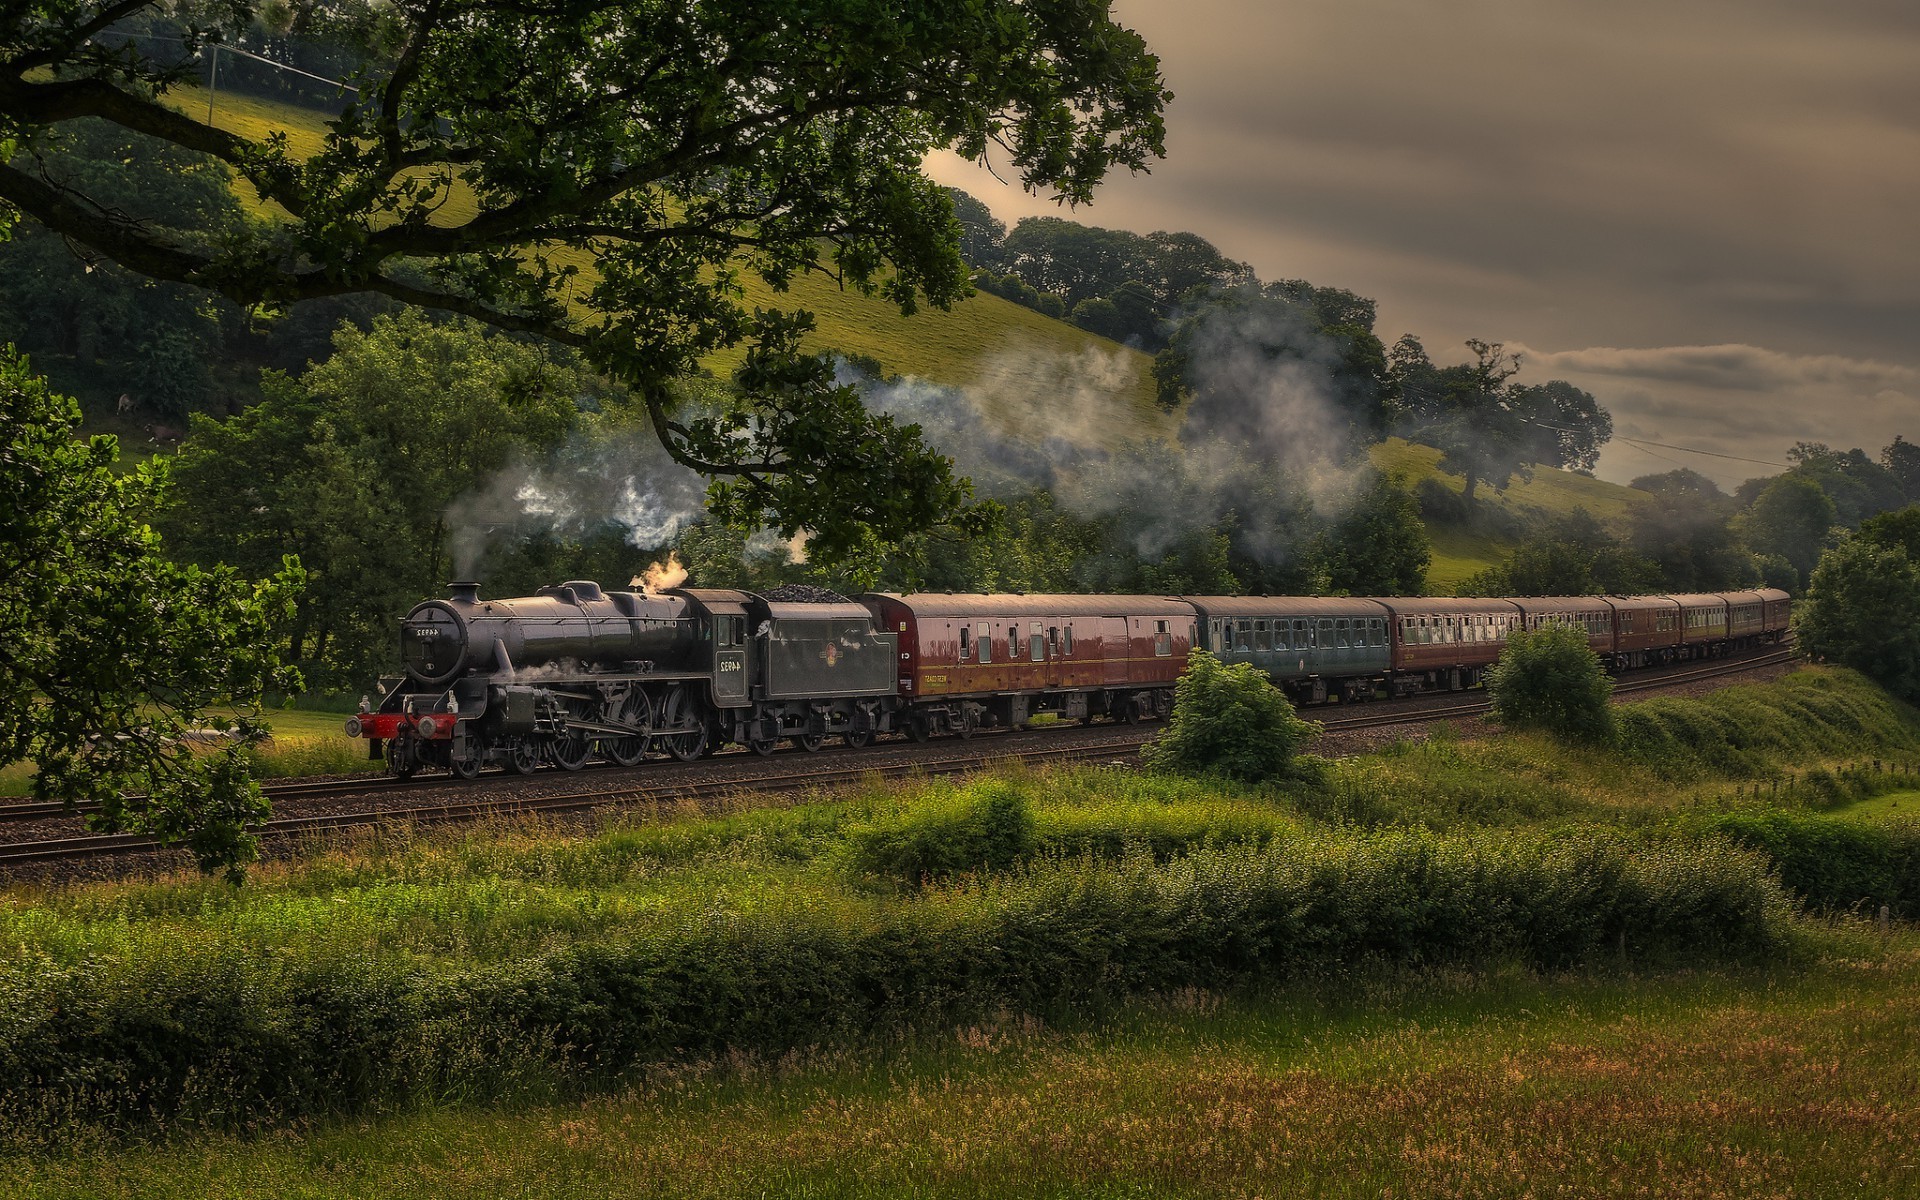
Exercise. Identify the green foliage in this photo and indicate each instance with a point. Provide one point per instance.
(984, 826)
(1791, 518)
(1753, 732)
(150, 338)
(111, 652)
(1224, 354)
(691, 151)
(266, 1005)
(1862, 609)
(1689, 538)
(356, 467)
(1489, 428)
(1085, 263)
(1228, 720)
(1831, 862)
(1572, 555)
(1550, 679)
(790, 400)
(1378, 546)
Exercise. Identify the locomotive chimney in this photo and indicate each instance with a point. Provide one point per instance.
(469, 592)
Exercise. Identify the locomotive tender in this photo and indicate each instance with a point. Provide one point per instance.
(574, 672)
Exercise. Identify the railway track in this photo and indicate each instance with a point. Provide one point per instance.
(639, 792)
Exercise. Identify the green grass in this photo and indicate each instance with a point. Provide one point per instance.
(1783, 1082)
(1550, 493)
(1460, 552)
(1894, 806)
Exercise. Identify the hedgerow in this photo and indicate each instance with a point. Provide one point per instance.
(1831, 862)
(215, 1030)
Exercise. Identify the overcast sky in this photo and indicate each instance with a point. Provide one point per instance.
(1705, 213)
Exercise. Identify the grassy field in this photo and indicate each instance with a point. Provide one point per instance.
(1786, 1082)
(1549, 493)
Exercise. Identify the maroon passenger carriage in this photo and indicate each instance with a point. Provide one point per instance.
(1444, 644)
(972, 661)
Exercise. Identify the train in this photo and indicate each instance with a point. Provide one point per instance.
(575, 673)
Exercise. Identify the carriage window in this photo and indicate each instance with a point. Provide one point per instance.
(1324, 636)
(1053, 641)
(1342, 634)
(1036, 642)
(1224, 629)
(1069, 641)
(1162, 639)
(1243, 634)
(983, 641)
(1261, 641)
(966, 642)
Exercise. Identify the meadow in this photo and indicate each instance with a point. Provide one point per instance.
(1450, 967)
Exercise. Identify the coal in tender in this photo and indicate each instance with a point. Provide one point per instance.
(804, 593)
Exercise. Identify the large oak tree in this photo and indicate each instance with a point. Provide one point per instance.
(678, 143)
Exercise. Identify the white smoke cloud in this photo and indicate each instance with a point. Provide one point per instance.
(1261, 447)
(623, 479)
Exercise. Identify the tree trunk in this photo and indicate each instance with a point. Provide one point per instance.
(1473, 481)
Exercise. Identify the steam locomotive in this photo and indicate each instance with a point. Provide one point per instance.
(574, 672)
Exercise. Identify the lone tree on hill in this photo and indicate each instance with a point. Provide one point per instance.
(1550, 679)
(1489, 428)
(1228, 720)
(495, 147)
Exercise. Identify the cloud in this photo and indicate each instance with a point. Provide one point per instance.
(1731, 367)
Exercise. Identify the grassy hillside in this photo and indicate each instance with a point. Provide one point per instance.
(1458, 552)
(1023, 350)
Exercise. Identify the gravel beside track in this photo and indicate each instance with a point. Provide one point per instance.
(31, 839)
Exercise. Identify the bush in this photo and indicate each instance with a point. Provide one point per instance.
(1230, 721)
(987, 825)
(1831, 862)
(1862, 610)
(1550, 679)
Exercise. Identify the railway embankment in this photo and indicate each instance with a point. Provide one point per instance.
(383, 969)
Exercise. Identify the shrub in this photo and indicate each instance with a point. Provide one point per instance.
(1230, 721)
(1832, 862)
(988, 824)
(1550, 679)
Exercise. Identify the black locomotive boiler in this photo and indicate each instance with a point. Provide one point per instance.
(573, 672)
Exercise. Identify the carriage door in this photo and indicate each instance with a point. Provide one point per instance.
(1114, 650)
(729, 659)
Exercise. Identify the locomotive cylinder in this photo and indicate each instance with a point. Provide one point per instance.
(441, 640)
